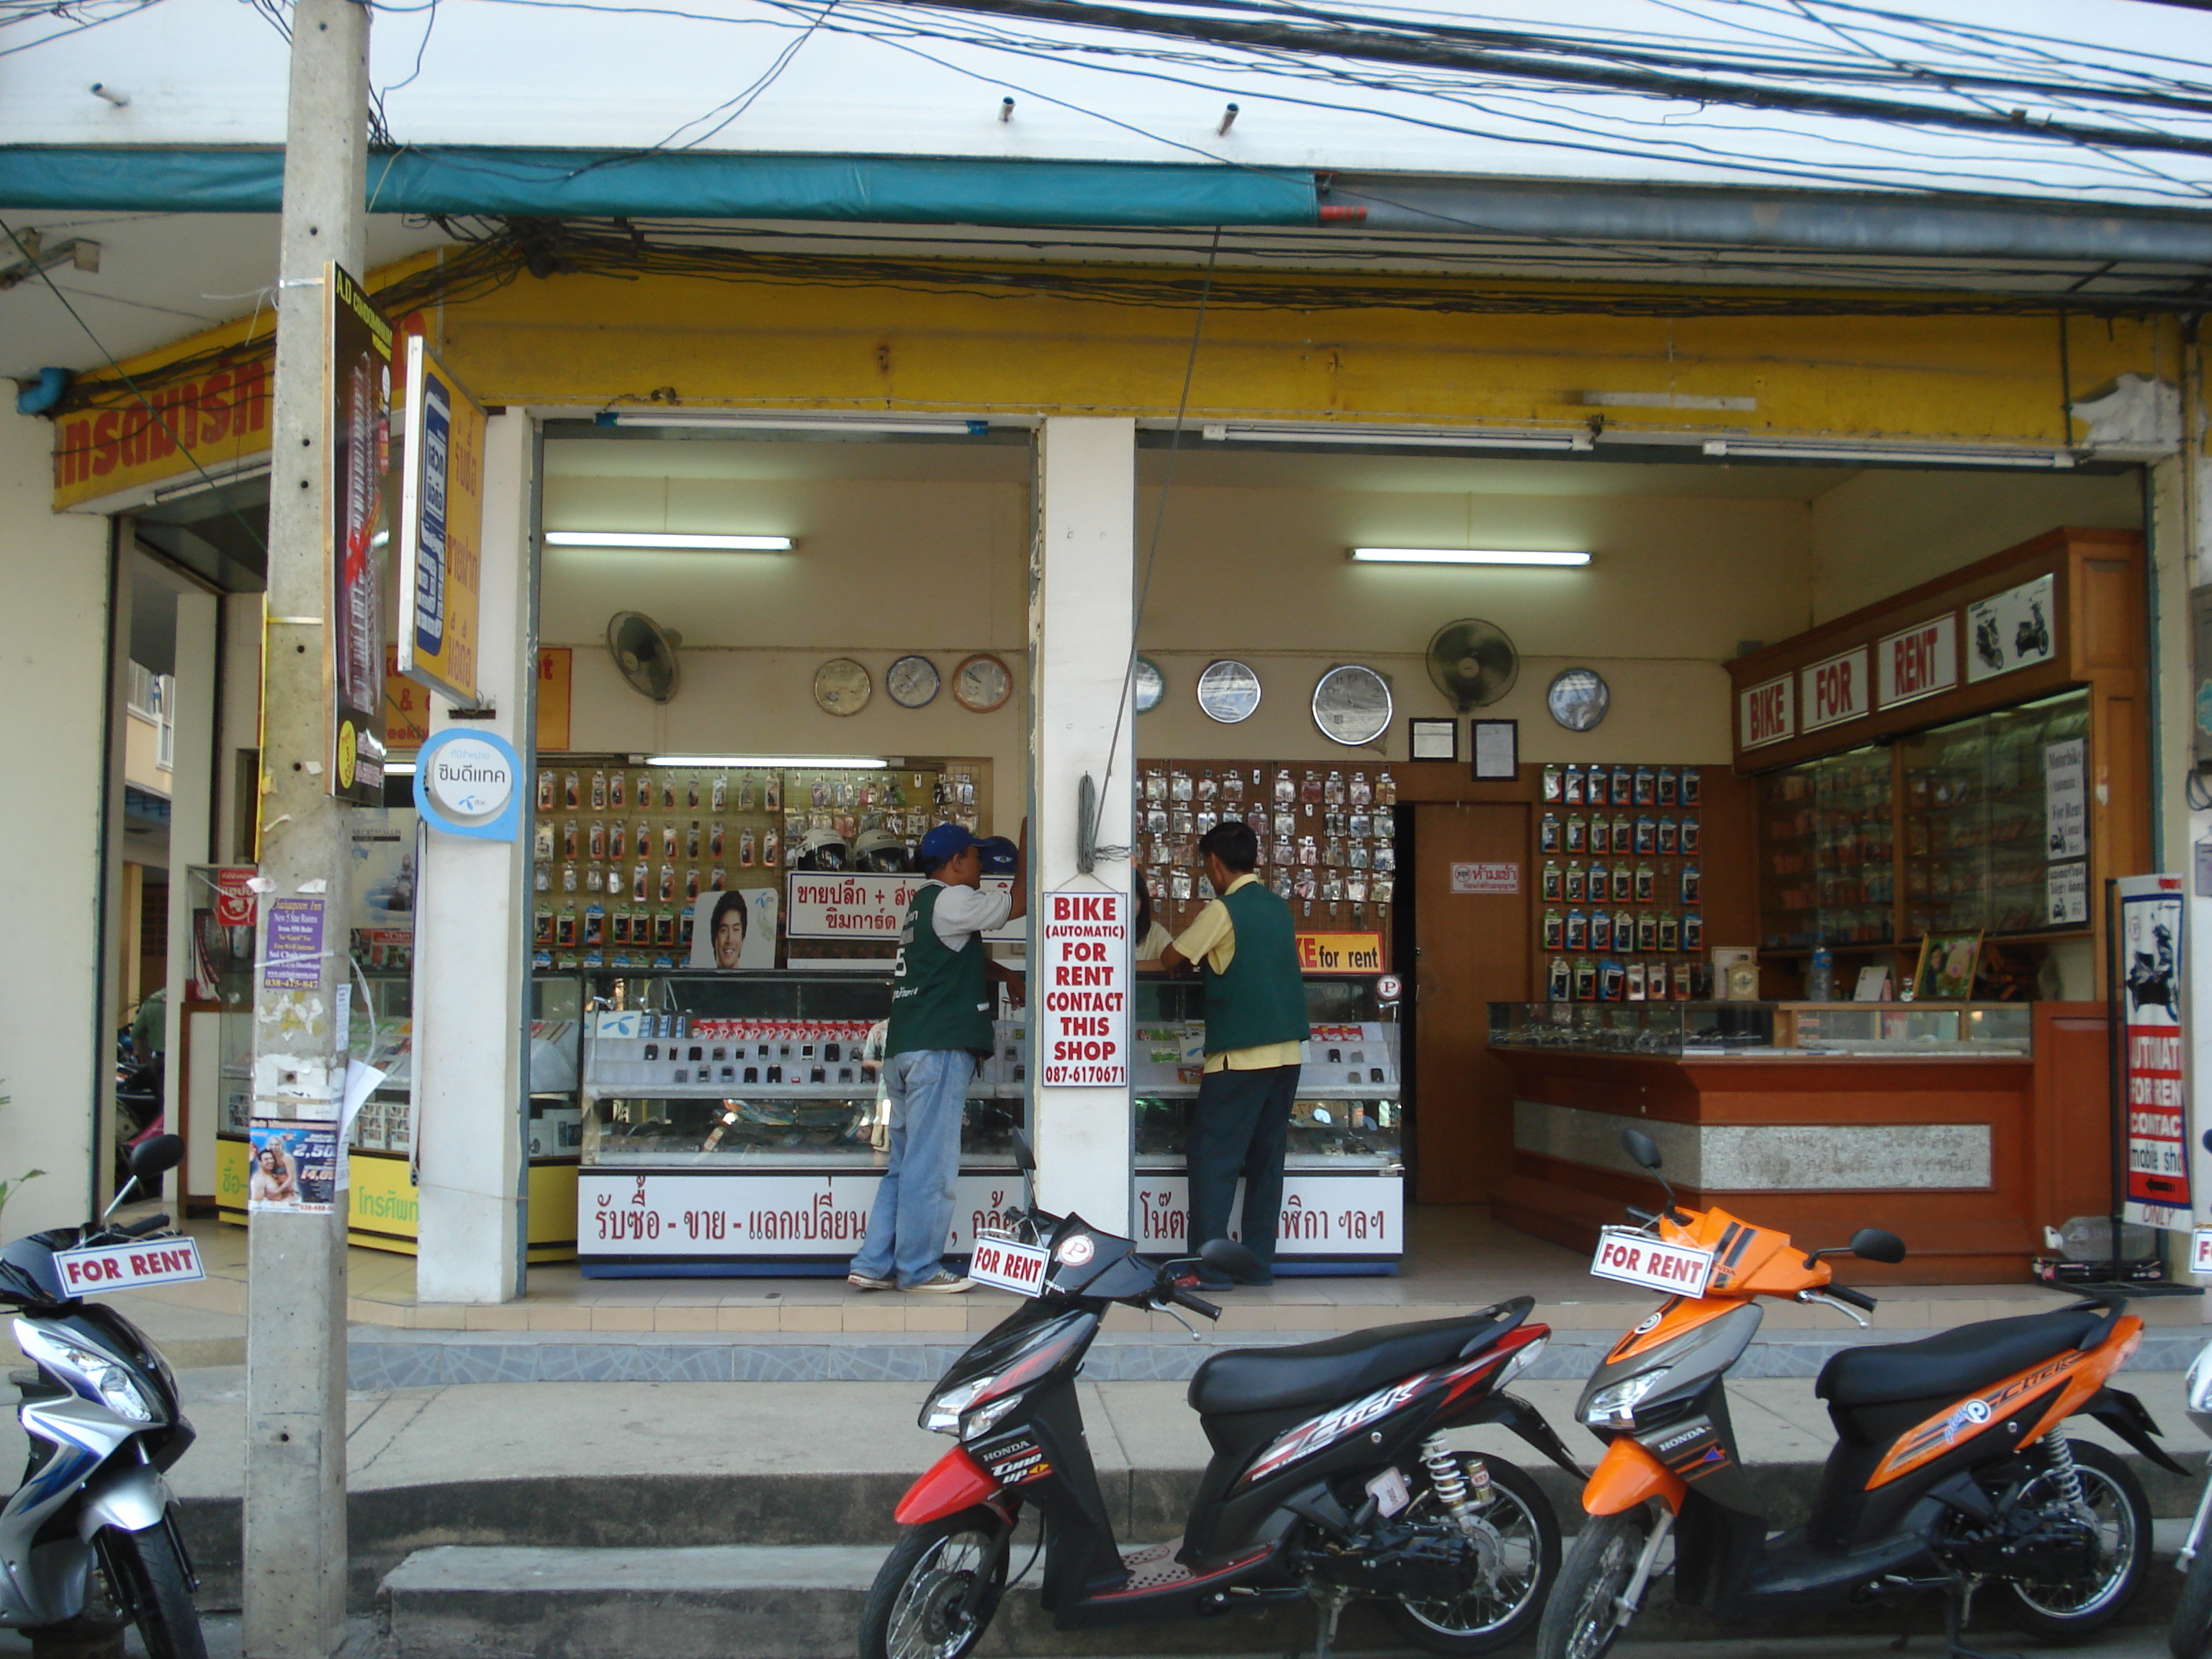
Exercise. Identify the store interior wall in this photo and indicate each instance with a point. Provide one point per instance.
(1886, 529)
(53, 671)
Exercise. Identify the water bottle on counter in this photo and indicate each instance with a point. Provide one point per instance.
(1820, 975)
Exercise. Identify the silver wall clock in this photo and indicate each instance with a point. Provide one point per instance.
(1149, 685)
(1577, 698)
(1351, 705)
(913, 681)
(1228, 692)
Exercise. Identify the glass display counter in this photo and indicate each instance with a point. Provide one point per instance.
(1689, 1030)
(1343, 1185)
(731, 1123)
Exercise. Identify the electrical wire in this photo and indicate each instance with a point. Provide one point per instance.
(1153, 554)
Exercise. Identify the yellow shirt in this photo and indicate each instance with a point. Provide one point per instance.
(1211, 938)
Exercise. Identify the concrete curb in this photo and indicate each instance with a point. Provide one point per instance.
(379, 1356)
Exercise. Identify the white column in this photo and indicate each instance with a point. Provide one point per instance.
(1082, 625)
(470, 945)
(53, 669)
(192, 808)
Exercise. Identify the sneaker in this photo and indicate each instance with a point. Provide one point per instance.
(871, 1282)
(941, 1283)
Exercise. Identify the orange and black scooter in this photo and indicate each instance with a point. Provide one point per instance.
(1950, 1471)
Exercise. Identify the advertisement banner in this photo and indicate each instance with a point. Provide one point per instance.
(441, 528)
(357, 445)
(2154, 1049)
(2011, 630)
(1339, 953)
(407, 705)
(295, 1167)
(1082, 979)
(859, 905)
(216, 420)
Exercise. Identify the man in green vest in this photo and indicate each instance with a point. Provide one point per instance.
(1246, 949)
(941, 1025)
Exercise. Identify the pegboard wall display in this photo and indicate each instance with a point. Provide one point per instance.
(1328, 840)
(1620, 854)
(621, 852)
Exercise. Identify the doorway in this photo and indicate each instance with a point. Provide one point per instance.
(1471, 949)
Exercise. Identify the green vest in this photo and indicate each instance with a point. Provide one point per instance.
(1261, 999)
(939, 998)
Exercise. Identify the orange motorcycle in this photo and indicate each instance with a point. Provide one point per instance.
(1948, 1472)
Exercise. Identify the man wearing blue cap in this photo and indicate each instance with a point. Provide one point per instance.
(941, 1023)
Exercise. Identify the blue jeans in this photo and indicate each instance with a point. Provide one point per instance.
(913, 1217)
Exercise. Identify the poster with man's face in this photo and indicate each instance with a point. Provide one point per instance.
(735, 930)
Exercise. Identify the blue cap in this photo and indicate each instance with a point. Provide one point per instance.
(947, 840)
(1000, 856)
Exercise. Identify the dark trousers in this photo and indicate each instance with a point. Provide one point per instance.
(1241, 1127)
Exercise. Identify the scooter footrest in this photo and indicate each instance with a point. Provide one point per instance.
(1153, 1568)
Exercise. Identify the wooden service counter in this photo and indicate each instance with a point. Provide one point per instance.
(1966, 1147)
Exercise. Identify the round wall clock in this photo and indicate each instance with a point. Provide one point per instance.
(1577, 698)
(982, 683)
(1351, 705)
(913, 681)
(1149, 685)
(1228, 692)
(841, 686)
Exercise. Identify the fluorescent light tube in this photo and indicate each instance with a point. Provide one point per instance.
(917, 425)
(399, 769)
(1426, 437)
(777, 762)
(643, 538)
(1461, 555)
(1909, 455)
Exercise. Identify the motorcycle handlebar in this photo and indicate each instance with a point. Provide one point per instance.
(152, 1224)
(1858, 1299)
(1640, 1218)
(1197, 1304)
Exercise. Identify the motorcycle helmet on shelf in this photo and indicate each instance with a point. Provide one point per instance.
(880, 852)
(822, 849)
(999, 855)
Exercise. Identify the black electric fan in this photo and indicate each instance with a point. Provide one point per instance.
(646, 653)
(1473, 663)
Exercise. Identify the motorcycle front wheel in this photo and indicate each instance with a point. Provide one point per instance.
(2075, 1605)
(1518, 1536)
(150, 1574)
(1583, 1619)
(2190, 1634)
(935, 1593)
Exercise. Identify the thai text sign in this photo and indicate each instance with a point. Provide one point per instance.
(2155, 1053)
(212, 421)
(441, 528)
(621, 1214)
(1326, 1215)
(857, 904)
(1082, 979)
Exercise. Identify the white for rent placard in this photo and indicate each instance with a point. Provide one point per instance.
(1080, 983)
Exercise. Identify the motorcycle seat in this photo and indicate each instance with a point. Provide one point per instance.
(1343, 1368)
(1953, 1362)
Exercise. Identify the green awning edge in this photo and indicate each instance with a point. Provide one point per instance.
(692, 185)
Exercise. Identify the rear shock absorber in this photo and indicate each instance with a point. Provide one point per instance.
(2066, 1477)
(1451, 1482)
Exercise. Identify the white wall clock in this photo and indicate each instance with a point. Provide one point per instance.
(982, 683)
(913, 681)
(1351, 705)
(841, 686)
(1228, 692)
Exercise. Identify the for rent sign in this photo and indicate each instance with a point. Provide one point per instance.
(1918, 663)
(128, 1266)
(1083, 947)
(1765, 714)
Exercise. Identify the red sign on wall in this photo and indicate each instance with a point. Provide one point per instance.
(1919, 662)
(1766, 714)
(1836, 691)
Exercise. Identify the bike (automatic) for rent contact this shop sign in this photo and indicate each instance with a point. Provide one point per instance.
(2154, 1045)
(1083, 1031)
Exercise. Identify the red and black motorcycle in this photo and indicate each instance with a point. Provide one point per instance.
(1330, 1479)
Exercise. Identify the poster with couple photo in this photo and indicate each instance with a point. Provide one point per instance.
(294, 1167)
(734, 930)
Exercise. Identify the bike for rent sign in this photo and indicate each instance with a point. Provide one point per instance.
(1083, 1032)
(2154, 1049)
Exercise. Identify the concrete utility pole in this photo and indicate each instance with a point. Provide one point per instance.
(295, 1395)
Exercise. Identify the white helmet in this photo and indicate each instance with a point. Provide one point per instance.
(880, 851)
(821, 849)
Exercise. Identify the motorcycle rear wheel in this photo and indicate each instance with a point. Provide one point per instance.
(2190, 1634)
(1582, 1619)
(1527, 1532)
(2075, 1607)
(153, 1579)
(912, 1609)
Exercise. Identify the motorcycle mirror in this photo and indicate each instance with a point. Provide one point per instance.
(1873, 1244)
(1642, 1148)
(2207, 1140)
(1025, 1159)
(155, 1157)
(1228, 1256)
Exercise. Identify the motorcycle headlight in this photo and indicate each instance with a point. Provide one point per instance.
(2197, 1387)
(114, 1386)
(1614, 1406)
(942, 1414)
(986, 1417)
(1524, 1358)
